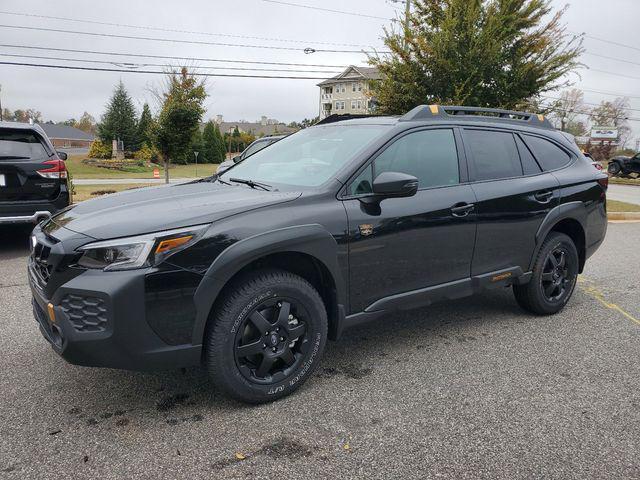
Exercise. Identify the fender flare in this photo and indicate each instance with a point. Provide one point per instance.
(312, 239)
(571, 210)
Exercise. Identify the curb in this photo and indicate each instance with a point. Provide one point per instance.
(623, 216)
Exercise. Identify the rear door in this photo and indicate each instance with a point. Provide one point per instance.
(22, 153)
(514, 195)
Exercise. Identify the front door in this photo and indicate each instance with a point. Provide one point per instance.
(404, 244)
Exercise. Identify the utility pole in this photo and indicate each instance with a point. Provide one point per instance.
(407, 14)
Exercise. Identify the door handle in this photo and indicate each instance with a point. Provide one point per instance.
(462, 210)
(543, 196)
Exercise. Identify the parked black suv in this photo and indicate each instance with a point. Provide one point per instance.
(626, 166)
(250, 272)
(33, 176)
(254, 147)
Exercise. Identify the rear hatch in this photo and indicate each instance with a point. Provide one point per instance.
(29, 168)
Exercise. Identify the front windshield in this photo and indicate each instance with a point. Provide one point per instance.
(308, 158)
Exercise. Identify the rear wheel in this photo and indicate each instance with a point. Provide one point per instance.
(267, 336)
(555, 273)
(614, 168)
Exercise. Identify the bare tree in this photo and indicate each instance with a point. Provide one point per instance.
(614, 114)
(568, 110)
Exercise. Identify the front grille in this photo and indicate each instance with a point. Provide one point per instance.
(40, 268)
(86, 314)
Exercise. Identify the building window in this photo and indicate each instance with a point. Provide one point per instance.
(340, 105)
(359, 104)
(359, 87)
(354, 87)
(353, 104)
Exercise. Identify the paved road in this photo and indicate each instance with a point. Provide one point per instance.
(471, 389)
(624, 193)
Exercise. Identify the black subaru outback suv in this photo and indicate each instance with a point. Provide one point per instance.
(251, 271)
(33, 176)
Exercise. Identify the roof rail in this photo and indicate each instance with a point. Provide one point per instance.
(336, 117)
(428, 112)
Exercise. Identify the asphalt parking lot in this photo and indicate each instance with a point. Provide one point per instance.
(472, 389)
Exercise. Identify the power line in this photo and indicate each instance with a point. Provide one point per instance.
(133, 66)
(612, 58)
(155, 72)
(606, 41)
(613, 94)
(589, 104)
(165, 57)
(614, 73)
(311, 7)
(176, 40)
(175, 30)
(564, 110)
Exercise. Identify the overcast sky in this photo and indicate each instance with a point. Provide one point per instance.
(61, 94)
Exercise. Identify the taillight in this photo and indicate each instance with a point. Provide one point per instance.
(57, 169)
(604, 182)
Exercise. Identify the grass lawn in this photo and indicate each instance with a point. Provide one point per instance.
(625, 181)
(615, 206)
(86, 192)
(80, 170)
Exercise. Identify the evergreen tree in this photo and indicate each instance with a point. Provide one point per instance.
(119, 120)
(474, 52)
(222, 146)
(144, 127)
(211, 148)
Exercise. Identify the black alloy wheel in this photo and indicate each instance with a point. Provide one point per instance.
(555, 275)
(272, 341)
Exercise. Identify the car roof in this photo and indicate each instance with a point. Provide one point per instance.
(23, 126)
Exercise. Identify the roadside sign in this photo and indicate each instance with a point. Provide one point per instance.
(604, 133)
(156, 173)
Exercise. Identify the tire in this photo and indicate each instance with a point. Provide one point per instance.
(551, 286)
(256, 366)
(614, 168)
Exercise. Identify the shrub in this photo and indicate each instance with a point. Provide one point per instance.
(146, 154)
(99, 149)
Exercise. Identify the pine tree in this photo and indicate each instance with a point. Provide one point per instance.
(211, 147)
(119, 120)
(144, 127)
(222, 146)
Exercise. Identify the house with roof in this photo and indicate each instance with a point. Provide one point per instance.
(64, 136)
(348, 92)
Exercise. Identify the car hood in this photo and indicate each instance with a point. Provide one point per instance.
(152, 209)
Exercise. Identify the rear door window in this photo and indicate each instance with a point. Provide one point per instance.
(21, 145)
(549, 155)
(495, 154)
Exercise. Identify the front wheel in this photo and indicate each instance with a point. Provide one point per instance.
(554, 278)
(267, 336)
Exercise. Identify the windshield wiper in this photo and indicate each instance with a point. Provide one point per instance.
(251, 183)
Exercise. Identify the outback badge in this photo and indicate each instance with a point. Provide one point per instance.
(366, 229)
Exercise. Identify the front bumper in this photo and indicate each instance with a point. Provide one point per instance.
(100, 322)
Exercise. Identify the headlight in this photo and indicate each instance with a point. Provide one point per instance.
(138, 252)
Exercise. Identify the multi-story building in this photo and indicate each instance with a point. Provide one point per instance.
(348, 92)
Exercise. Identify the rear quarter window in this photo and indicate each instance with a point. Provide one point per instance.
(548, 154)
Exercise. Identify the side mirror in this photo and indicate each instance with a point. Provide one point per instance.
(61, 155)
(236, 159)
(395, 184)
